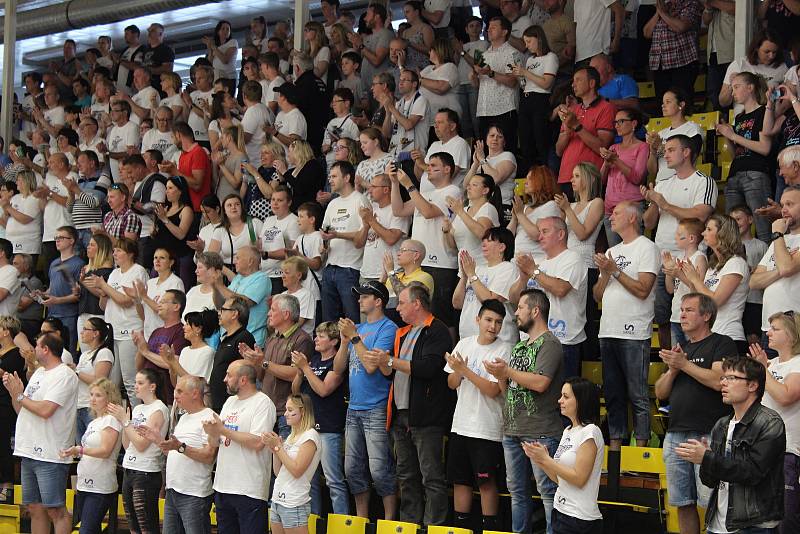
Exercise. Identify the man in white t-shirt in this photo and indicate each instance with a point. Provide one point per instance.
(130, 58)
(563, 276)
(342, 229)
(55, 195)
(190, 460)
(384, 229)
(256, 117)
(244, 465)
(445, 125)
(9, 280)
(269, 65)
(406, 121)
(512, 10)
(146, 99)
(160, 136)
(593, 27)
(278, 233)
(687, 194)
(290, 124)
(625, 288)
(46, 411)
(476, 450)
(437, 14)
(122, 138)
(198, 102)
(341, 125)
(778, 273)
(429, 209)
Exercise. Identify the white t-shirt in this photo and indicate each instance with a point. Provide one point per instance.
(99, 475)
(197, 301)
(681, 289)
(404, 140)
(118, 139)
(123, 72)
(253, 121)
(432, 6)
(151, 459)
(310, 246)
(155, 291)
(25, 238)
(291, 122)
(523, 244)
(174, 101)
(624, 315)
(225, 239)
(539, 66)
(791, 413)
(462, 157)
(375, 247)
(447, 72)
(124, 320)
(9, 280)
(342, 215)
(498, 279)
(338, 128)
(277, 234)
(243, 471)
(464, 68)
(308, 307)
(729, 315)
(477, 415)
(290, 491)
(592, 28)
(689, 129)
(429, 231)
(158, 194)
(772, 75)
(197, 122)
(586, 247)
(39, 438)
(164, 142)
(54, 117)
(466, 240)
(571, 500)
(693, 190)
(197, 362)
(85, 365)
(269, 95)
(507, 187)
(185, 475)
(55, 215)
(717, 524)
(784, 293)
(567, 313)
(222, 69)
(144, 99)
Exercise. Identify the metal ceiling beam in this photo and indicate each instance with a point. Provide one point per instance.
(9, 51)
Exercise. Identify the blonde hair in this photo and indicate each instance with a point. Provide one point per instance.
(303, 153)
(174, 78)
(275, 148)
(792, 325)
(109, 389)
(303, 403)
(299, 265)
(105, 253)
(237, 134)
(11, 324)
(29, 179)
(320, 39)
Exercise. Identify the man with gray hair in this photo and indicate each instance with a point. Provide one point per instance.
(407, 269)
(315, 99)
(625, 287)
(789, 168)
(254, 286)
(274, 363)
(233, 316)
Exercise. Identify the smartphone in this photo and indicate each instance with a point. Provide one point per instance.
(775, 94)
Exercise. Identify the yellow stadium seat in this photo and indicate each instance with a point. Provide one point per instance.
(312, 522)
(656, 124)
(705, 168)
(346, 524)
(396, 527)
(723, 153)
(726, 170)
(448, 530)
(593, 372)
(9, 519)
(700, 84)
(519, 187)
(707, 120)
(495, 532)
(17, 494)
(647, 90)
(656, 370)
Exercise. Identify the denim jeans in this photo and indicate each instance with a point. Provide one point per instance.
(186, 514)
(368, 452)
(331, 465)
(751, 188)
(791, 496)
(468, 98)
(572, 360)
(337, 293)
(140, 491)
(281, 428)
(678, 337)
(240, 513)
(626, 363)
(518, 477)
(81, 422)
(91, 508)
(420, 469)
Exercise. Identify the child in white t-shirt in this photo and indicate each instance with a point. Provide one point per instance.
(309, 246)
(295, 463)
(688, 236)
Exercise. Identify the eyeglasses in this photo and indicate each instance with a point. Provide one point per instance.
(619, 122)
(339, 147)
(378, 83)
(118, 187)
(222, 309)
(337, 101)
(162, 119)
(62, 237)
(87, 329)
(789, 313)
(116, 109)
(407, 250)
(732, 378)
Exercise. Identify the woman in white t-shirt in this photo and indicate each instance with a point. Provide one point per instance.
(540, 189)
(24, 225)
(171, 86)
(295, 463)
(199, 327)
(143, 459)
(211, 210)
(372, 145)
(121, 309)
(499, 163)
(438, 82)
(209, 270)
(675, 106)
(95, 362)
(147, 300)
(98, 452)
(577, 462)
(315, 42)
(235, 231)
(294, 273)
(473, 217)
(765, 58)
(222, 51)
(782, 392)
(726, 279)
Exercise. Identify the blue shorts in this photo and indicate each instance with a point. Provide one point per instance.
(683, 477)
(293, 517)
(44, 483)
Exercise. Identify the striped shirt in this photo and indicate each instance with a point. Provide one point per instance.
(86, 206)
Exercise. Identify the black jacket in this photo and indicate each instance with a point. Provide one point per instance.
(430, 401)
(753, 470)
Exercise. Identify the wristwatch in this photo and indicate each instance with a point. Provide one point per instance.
(491, 74)
(578, 128)
(20, 397)
(473, 278)
(616, 274)
(355, 340)
(390, 363)
(536, 273)
(392, 273)
(182, 448)
(411, 188)
(795, 100)
(265, 364)
(775, 235)
(126, 424)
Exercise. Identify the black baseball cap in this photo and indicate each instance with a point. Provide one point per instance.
(374, 288)
(289, 91)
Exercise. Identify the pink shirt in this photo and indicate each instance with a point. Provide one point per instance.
(620, 187)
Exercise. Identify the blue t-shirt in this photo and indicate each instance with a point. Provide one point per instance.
(369, 391)
(619, 87)
(257, 287)
(63, 274)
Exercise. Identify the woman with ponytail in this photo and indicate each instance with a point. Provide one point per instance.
(229, 161)
(96, 361)
(480, 211)
(141, 483)
(91, 301)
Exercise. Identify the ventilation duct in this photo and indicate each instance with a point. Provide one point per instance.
(76, 14)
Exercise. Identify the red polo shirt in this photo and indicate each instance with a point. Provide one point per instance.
(196, 159)
(599, 115)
